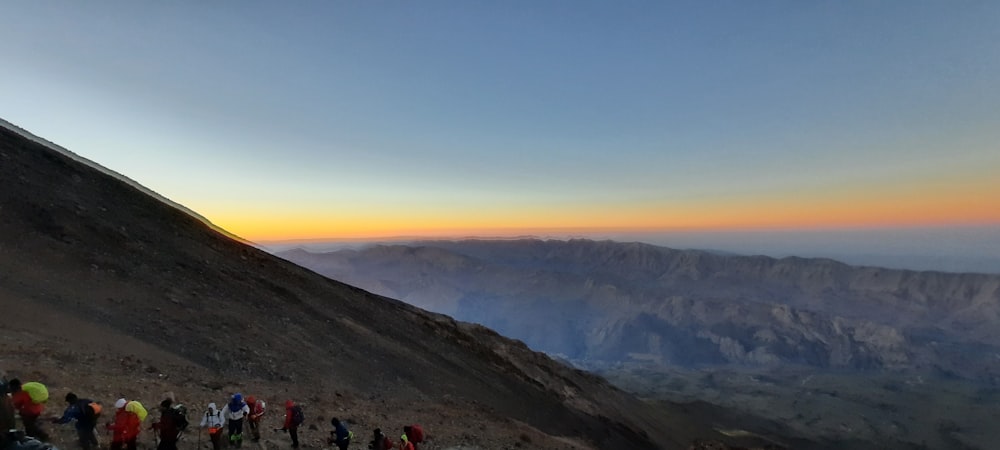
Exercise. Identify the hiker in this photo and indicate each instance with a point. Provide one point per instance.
(14, 440)
(340, 436)
(293, 418)
(29, 408)
(404, 443)
(125, 427)
(253, 419)
(214, 421)
(379, 440)
(168, 428)
(236, 410)
(85, 412)
(415, 434)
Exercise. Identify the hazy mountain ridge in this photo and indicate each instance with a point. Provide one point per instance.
(615, 302)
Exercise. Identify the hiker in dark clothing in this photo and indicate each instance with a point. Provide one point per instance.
(379, 440)
(83, 411)
(14, 440)
(167, 428)
(340, 436)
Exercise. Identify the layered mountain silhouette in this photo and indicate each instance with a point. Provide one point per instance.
(610, 302)
(109, 289)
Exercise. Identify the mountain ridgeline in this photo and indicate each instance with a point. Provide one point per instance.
(99, 279)
(612, 303)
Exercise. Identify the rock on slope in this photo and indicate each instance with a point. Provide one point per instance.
(127, 272)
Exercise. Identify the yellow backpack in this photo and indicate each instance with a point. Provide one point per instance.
(136, 407)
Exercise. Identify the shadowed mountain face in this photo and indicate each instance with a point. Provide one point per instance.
(608, 302)
(86, 258)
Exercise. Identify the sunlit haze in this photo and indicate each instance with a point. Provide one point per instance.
(832, 128)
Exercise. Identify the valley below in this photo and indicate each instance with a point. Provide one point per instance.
(801, 353)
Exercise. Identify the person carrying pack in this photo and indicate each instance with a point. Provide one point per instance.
(14, 440)
(213, 420)
(379, 440)
(404, 443)
(136, 408)
(29, 401)
(125, 427)
(340, 436)
(85, 412)
(168, 428)
(236, 411)
(415, 434)
(293, 418)
(257, 407)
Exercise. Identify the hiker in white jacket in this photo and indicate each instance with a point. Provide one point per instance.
(214, 421)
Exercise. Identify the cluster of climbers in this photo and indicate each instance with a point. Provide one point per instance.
(29, 401)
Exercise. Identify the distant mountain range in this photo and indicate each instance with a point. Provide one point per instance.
(605, 302)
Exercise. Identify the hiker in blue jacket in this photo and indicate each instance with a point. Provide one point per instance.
(79, 409)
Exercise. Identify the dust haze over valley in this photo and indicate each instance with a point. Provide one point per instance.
(830, 352)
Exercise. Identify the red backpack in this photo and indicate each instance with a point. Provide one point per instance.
(416, 434)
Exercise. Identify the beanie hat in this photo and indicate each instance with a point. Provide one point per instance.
(120, 403)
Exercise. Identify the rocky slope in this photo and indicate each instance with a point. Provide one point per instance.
(628, 302)
(109, 291)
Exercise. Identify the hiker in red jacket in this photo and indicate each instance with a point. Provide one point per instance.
(256, 406)
(125, 427)
(293, 419)
(415, 434)
(28, 409)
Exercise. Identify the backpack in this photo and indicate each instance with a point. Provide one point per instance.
(258, 407)
(37, 392)
(297, 416)
(416, 434)
(91, 410)
(137, 409)
(179, 412)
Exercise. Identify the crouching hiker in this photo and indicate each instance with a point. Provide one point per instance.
(13, 440)
(414, 434)
(29, 402)
(214, 421)
(340, 436)
(86, 413)
(125, 427)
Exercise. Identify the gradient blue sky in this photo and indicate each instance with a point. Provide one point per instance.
(316, 119)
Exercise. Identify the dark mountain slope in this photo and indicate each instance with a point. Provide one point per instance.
(84, 245)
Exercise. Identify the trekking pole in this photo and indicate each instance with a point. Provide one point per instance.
(199, 439)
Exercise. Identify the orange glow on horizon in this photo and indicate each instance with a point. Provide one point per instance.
(946, 201)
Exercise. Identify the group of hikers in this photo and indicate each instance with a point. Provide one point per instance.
(29, 400)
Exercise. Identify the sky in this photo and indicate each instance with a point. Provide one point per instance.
(724, 120)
